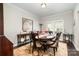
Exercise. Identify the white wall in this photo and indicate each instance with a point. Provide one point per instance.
(13, 21)
(66, 16)
(76, 27)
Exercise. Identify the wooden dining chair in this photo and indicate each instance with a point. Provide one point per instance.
(54, 43)
(36, 44)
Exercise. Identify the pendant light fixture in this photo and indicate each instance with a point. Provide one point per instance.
(43, 5)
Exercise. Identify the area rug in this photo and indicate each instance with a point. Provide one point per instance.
(26, 50)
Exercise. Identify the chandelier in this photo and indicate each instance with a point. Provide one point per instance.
(43, 4)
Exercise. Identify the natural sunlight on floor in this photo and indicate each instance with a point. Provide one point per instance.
(24, 51)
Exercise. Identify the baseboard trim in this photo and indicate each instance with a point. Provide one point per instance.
(75, 46)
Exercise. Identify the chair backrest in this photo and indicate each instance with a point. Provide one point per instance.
(33, 35)
(58, 36)
(56, 39)
(50, 32)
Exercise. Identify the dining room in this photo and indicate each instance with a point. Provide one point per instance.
(47, 41)
(52, 37)
(43, 44)
(41, 29)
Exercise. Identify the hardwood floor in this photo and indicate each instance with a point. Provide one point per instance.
(24, 51)
(71, 50)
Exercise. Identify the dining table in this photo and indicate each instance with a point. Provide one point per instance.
(44, 39)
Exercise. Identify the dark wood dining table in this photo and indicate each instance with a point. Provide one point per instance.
(44, 40)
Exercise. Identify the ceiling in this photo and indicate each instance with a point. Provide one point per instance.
(51, 8)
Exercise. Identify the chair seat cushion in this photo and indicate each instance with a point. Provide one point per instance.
(38, 44)
(54, 39)
(50, 42)
(54, 45)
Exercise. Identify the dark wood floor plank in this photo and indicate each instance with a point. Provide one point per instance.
(71, 49)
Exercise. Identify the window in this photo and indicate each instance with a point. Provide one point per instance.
(56, 26)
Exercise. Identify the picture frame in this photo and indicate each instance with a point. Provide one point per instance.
(27, 25)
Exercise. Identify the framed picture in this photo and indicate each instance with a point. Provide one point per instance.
(27, 25)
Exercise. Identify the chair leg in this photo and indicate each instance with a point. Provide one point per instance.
(33, 50)
(38, 52)
(56, 48)
(54, 51)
